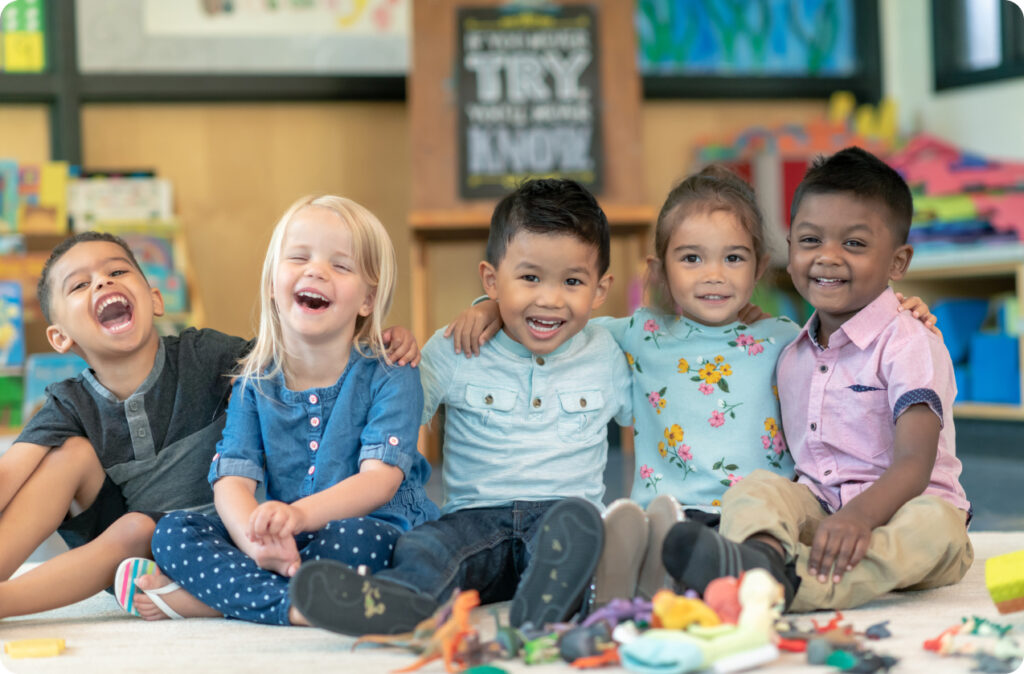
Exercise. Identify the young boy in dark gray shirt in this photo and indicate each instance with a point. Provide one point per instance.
(111, 449)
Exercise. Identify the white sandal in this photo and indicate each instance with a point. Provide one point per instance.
(124, 586)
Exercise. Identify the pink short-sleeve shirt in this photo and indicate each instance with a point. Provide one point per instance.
(840, 404)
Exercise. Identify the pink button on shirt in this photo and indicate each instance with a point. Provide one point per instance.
(839, 404)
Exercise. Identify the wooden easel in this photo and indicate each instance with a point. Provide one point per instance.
(437, 211)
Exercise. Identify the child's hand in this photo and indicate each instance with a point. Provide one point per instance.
(274, 519)
(279, 555)
(842, 541)
(752, 313)
(474, 326)
(402, 346)
(919, 310)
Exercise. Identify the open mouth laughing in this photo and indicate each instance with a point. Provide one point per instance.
(114, 312)
(825, 282)
(311, 300)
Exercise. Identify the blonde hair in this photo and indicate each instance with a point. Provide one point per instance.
(374, 256)
(715, 188)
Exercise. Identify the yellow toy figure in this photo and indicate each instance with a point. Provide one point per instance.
(1004, 578)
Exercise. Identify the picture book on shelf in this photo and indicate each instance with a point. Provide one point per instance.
(12, 326)
(43, 369)
(44, 198)
(94, 200)
(8, 195)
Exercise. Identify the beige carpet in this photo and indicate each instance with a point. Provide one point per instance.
(100, 638)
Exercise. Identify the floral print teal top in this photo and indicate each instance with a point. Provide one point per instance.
(705, 404)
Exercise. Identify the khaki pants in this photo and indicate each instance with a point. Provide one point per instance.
(924, 545)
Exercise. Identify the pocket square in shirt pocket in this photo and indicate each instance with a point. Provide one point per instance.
(579, 410)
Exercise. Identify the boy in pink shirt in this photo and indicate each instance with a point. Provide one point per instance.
(866, 395)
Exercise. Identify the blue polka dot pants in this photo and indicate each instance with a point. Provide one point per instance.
(196, 552)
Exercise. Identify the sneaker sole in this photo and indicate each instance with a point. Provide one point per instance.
(570, 537)
(333, 596)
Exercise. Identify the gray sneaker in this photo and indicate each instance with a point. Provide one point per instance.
(662, 513)
(625, 544)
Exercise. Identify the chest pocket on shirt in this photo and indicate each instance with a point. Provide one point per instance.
(490, 402)
(871, 402)
(580, 410)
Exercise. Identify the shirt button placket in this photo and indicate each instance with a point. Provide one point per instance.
(315, 434)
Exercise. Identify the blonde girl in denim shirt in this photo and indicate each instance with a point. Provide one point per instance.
(319, 416)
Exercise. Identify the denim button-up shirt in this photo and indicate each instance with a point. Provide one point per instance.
(302, 442)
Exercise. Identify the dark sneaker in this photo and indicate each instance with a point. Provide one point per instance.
(334, 596)
(568, 547)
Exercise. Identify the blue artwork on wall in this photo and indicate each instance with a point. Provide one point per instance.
(747, 38)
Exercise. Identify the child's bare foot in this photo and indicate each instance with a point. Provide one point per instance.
(179, 599)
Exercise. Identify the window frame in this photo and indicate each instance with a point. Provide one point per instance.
(948, 73)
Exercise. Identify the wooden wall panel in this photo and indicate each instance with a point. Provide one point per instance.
(236, 167)
(25, 132)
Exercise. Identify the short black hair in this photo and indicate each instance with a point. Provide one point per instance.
(44, 291)
(858, 172)
(550, 206)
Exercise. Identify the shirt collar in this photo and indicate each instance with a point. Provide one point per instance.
(145, 386)
(504, 341)
(864, 326)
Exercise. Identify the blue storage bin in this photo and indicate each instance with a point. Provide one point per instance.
(962, 373)
(958, 320)
(995, 369)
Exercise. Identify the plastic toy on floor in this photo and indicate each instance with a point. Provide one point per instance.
(438, 637)
(1004, 578)
(33, 648)
(988, 643)
(725, 647)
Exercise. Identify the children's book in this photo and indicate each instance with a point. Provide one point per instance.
(44, 209)
(12, 326)
(43, 369)
(8, 195)
(95, 200)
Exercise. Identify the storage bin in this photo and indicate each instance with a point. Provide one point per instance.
(995, 368)
(959, 319)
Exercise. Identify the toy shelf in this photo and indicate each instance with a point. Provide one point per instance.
(971, 271)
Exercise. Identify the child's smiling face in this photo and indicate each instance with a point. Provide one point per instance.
(710, 267)
(546, 287)
(319, 290)
(842, 255)
(101, 303)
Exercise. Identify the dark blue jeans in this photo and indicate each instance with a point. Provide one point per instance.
(483, 549)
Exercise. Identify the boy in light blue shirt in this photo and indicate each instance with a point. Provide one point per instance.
(525, 436)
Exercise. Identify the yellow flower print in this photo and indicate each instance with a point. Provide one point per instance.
(725, 369)
(775, 391)
(629, 358)
(716, 502)
(714, 377)
(684, 365)
(719, 359)
(662, 450)
(706, 371)
(674, 435)
(771, 426)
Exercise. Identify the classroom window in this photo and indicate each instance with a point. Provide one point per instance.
(976, 41)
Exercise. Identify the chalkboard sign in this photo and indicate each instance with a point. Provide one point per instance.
(528, 98)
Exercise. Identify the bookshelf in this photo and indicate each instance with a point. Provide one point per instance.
(971, 271)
